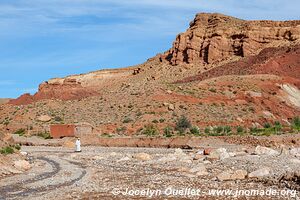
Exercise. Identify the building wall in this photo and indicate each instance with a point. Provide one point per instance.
(81, 130)
(62, 130)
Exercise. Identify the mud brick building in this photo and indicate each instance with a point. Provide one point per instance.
(70, 130)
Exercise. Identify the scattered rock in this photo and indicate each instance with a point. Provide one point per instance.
(259, 150)
(171, 107)
(295, 152)
(260, 173)
(22, 165)
(232, 175)
(220, 153)
(124, 159)
(142, 156)
(200, 170)
(44, 118)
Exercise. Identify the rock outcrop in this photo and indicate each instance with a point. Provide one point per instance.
(216, 37)
(74, 87)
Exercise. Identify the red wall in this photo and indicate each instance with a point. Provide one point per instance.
(62, 130)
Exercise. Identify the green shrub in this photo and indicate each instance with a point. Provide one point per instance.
(182, 124)
(155, 121)
(150, 130)
(239, 130)
(296, 123)
(195, 130)
(218, 129)
(20, 132)
(121, 129)
(127, 120)
(207, 130)
(227, 129)
(168, 131)
(18, 147)
(46, 135)
(58, 119)
(162, 120)
(267, 125)
(7, 150)
(277, 127)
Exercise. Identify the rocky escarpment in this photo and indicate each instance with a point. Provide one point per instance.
(74, 87)
(215, 37)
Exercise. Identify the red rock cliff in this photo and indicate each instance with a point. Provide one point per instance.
(216, 37)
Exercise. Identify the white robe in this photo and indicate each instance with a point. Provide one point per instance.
(77, 144)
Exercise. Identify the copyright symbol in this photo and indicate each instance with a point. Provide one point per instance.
(116, 191)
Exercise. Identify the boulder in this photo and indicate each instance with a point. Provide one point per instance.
(142, 156)
(259, 150)
(232, 175)
(263, 172)
(22, 165)
(220, 153)
(44, 118)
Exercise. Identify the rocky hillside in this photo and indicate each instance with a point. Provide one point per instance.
(221, 71)
(215, 37)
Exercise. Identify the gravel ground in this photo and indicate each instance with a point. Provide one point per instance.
(95, 173)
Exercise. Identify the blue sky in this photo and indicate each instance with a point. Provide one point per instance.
(42, 39)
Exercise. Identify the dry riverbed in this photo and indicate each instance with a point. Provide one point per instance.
(108, 173)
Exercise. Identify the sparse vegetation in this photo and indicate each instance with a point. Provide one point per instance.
(168, 131)
(7, 150)
(20, 132)
(296, 123)
(46, 135)
(121, 129)
(207, 130)
(58, 119)
(155, 121)
(150, 130)
(239, 130)
(195, 130)
(182, 124)
(127, 120)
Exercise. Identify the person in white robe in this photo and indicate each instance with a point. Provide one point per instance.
(77, 145)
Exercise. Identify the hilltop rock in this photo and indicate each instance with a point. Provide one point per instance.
(215, 37)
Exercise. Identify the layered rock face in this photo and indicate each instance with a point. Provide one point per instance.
(74, 87)
(215, 37)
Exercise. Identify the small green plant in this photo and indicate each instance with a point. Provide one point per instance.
(46, 135)
(20, 132)
(150, 130)
(162, 120)
(296, 123)
(121, 129)
(213, 90)
(58, 119)
(207, 130)
(267, 125)
(195, 130)
(168, 131)
(18, 147)
(182, 124)
(240, 130)
(107, 135)
(7, 150)
(155, 121)
(227, 129)
(277, 127)
(127, 120)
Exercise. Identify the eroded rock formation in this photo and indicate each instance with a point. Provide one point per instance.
(215, 37)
